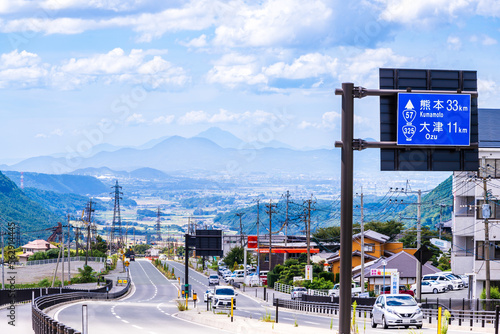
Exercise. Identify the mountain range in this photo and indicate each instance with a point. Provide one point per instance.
(177, 153)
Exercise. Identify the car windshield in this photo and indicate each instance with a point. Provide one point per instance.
(401, 301)
(299, 289)
(214, 276)
(225, 292)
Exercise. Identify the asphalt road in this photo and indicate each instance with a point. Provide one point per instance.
(149, 309)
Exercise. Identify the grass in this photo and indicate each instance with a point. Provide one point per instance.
(267, 318)
(181, 305)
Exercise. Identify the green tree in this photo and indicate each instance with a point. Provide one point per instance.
(318, 283)
(327, 233)
(141, 249)
(391, 228)
(235, 255)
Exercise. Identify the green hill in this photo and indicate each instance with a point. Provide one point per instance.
(31, 217)
(65, 183)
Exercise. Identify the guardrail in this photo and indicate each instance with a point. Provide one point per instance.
(72, 259)
(43, 324)
(288, 289)
(458, 317)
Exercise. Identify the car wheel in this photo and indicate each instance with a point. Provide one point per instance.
(406, 327)
(418, 326)
(374, 324)
(450, 287)
(434, 291)
(384, 323)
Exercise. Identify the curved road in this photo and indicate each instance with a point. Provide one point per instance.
(149, 309)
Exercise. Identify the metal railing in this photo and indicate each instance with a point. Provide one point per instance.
(468, 318)
(43, 324)
(288, 289)
(72, 259)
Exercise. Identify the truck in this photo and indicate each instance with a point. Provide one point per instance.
(222, 297)
(335, 292)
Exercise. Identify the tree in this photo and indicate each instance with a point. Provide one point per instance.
(390, 228)
(234, 255)
(327, 233)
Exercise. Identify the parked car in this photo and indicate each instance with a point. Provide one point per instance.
(236, 278)
(402, 290)
(465, 280)
(263, 277)
(335, 292)
(451, 282)
(396, 310)
(297, 292)
(213, 279)
(208, 295)
(430, 287)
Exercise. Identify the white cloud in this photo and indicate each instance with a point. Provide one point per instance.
(115, 5)
(487, 40)
(454, 43)
(22, 70)
(164, 119)
(363, 67)
(489, 8)
(329, 120)
(55, 132)
(422, 12)
(193, 117)
(135, 119)
(306, 66)
(198, 42)
(271, 22)
(25, 69)
(233, 69)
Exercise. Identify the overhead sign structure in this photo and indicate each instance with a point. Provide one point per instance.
(434, 119)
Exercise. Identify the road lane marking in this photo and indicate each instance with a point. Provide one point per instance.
(138, 327)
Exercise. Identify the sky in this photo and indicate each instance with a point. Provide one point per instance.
(79, 73)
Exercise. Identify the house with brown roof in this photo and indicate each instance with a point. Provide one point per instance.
(33, 247)
(376, 246)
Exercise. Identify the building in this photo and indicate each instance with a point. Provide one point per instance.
(468, 227)
(33, 247)
(403, 263)
(376, 245)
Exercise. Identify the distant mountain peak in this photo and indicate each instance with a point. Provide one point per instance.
(224, 139)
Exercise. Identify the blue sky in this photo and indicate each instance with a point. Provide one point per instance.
(78, 73)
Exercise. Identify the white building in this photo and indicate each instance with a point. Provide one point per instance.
(469, 196)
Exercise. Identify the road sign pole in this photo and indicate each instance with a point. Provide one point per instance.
(346, 191)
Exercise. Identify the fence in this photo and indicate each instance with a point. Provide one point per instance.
(288, 289)
(43, 324)
(72, 259)
(13, 296)
(458, 317)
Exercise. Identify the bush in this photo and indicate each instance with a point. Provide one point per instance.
(494, 293)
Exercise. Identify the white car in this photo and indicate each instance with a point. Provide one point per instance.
(430, 287)
(213, 279)
(396, 310)
(297, 292)
(208, 295)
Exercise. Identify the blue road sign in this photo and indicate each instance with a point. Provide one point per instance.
(434, 119)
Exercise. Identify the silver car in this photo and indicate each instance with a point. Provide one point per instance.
(396, 310)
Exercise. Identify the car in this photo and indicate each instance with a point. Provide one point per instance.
(297, 292)
(213, 279)
(396, 310)
(208, 295)
(222, 297)
(451, 282)
(402, 290)
(236, 278)
(465, 280)
(430, 287)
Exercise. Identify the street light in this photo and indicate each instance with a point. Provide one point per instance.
(384, 263)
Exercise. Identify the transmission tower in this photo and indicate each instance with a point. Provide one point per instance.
(158, 220)
(116, 228)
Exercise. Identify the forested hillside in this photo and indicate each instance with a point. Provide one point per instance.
(15, 206)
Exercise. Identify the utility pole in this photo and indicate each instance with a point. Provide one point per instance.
(89, 219)
(308, 230)
(69, 249)
(286, 221)
(240, 214)
(362, 279)
(258, 246)
(419, 244)
(270, 212)
(3, 258)
(62, 255)
(77, 230)
(486, 231)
